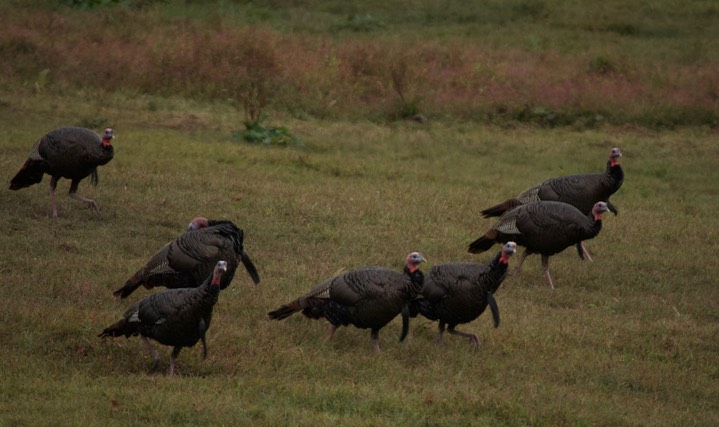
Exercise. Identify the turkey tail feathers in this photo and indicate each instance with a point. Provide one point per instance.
(498, 210)
(30, 173)
(283, 312)
(129, 287)
(116, 330)
(250, 267)
(480, 245)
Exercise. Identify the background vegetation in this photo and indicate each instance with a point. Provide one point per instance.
(547, 62)
(629, 339)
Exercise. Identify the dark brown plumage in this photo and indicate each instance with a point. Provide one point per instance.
(581, 191)
(458, 293)
(189, 259)
(69, 152)
(367, 298)
(175, 317)
(546, 228)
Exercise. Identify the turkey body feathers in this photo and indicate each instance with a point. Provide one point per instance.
(70, 152)
(175, 317)
(367, 298)
(190, 258)
(244, 258)
(580, 190)
(543, 227)
(458, 293)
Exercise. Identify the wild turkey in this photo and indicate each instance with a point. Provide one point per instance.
(460, 292)
(546, 228)
(581, 191)
(68, 152)
(175, 317)
(189, 259)
(367, 298)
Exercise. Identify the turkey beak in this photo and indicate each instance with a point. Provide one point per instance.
(222, 266)
(510, 249)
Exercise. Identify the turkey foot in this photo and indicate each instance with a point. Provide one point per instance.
(471, 337)
(89, 202)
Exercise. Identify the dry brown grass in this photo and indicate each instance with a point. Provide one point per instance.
(323, 75)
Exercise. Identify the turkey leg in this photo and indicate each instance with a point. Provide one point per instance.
(331, 332)
(545, 267)
(471, 337)
(89, 202)
(375, 339)
(173, 356)
(521, 260)
(53, 185)
(583, 252)
(203, 329)
(440, 338)
(153, 352)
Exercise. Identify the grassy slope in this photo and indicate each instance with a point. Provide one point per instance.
(628, 339)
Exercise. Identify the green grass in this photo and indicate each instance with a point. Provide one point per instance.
(629, 339)
(516, 91)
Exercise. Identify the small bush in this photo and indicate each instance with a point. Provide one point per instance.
(256, 133)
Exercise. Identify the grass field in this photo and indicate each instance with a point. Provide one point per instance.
(628, 339)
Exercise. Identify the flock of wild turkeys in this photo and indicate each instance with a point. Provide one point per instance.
(545, 219)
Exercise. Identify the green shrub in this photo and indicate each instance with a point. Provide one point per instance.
(256, 133)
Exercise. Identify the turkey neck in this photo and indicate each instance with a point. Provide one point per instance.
(596, 226)
(210, 289)
(497, 271)
(106, 154)
(417, 279)
(615, 173)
